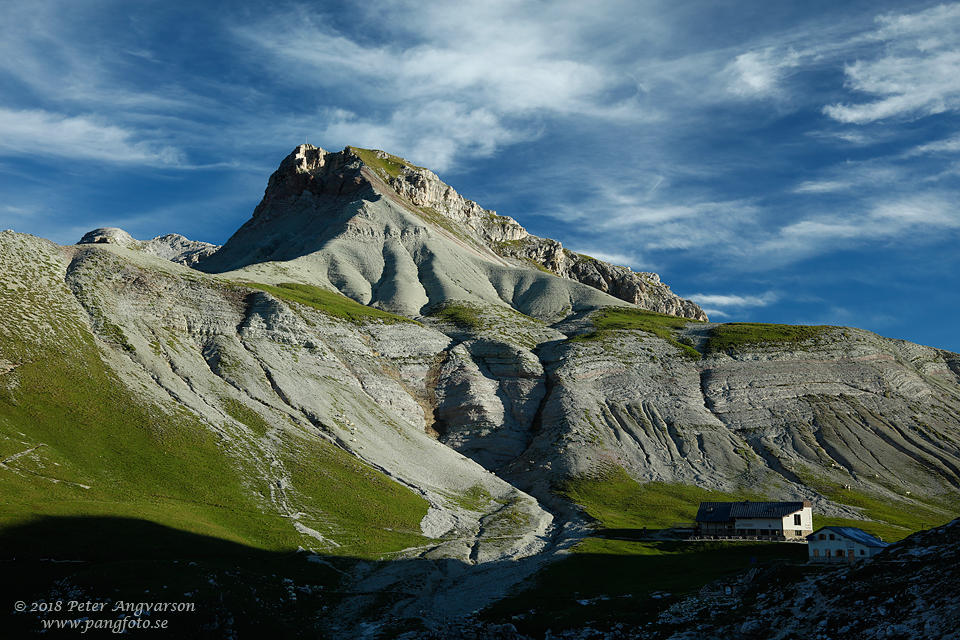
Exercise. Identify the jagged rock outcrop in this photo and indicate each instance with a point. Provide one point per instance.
(172, 246)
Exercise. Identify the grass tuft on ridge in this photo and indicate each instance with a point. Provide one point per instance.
(738, 334)
(328, 302)
(626, 319)
(462, 315)
(390, 165)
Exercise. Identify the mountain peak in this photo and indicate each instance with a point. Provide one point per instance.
(391, 234)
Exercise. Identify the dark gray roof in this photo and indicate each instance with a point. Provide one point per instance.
(727, 511)
(853, 533)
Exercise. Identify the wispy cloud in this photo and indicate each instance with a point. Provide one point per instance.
(35, 132)
(909, 221)
(823, 186)
(758, 73)
(462, 81)
(918, 73)
(439, 131)
(948, 145)
(718, 306)
(720, 300)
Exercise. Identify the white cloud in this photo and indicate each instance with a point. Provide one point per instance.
(758, 73)
(918, 75)
(907, 220)
(37, 132)
(923, 212)
(697, 226)
(736, 301)
(432, 135)
(453, 81)
(949, 145)
(823, 186)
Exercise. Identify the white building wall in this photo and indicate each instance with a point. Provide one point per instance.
(806, 523)
(817, 549)
(785, 526)
(761, 524)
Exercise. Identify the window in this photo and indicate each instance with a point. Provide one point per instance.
(826, 552)
(831, 537)
(822, 536)
(863, 552)
(796, 519)
(799, 533)
(816, 553)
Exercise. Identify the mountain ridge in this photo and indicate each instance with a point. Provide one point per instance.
(283, 406)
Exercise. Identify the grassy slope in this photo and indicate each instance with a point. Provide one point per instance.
(149, 498)
(391, 166)
(618, 501)
(738, 334)
(723, 337)
(160, 464)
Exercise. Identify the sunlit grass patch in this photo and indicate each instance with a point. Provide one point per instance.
(738, 334)
(328, 302)
(659, 324)
(617, 501)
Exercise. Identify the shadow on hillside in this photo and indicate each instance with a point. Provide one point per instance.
(626, 534)
(110, 539)
(233, 590)
(66, 568)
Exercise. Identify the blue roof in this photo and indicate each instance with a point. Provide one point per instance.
(853, 533)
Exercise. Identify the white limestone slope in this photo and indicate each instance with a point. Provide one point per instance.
(204, 342)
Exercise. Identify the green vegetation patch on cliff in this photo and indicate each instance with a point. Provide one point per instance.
(390, 165)
(328, 302)
(622, 318)
(462, 315)
(734, 335)
(436, 218)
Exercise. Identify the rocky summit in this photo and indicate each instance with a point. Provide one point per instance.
(427, 407)
(393, 236)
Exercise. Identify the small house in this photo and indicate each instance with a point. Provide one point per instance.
(843, 544)
(777, 520)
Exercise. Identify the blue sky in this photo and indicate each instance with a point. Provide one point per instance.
(793, 162)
